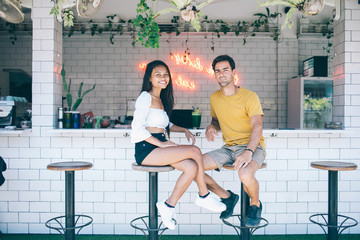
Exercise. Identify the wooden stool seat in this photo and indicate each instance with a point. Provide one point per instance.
(69, 166)
(231, 167)
(334, 166)
(145, 168)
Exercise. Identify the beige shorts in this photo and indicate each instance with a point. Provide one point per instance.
(228, 155)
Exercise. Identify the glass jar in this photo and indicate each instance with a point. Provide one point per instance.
(105, 122)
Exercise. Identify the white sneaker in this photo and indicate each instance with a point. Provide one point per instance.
(167, 215)
(210, 203)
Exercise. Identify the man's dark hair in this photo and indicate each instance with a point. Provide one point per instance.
(223, 58)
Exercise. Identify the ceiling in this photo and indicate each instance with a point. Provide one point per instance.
(230, 11)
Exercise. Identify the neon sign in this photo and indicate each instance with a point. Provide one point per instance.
(195, 64)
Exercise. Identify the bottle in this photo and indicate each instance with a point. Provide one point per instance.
(60, 117)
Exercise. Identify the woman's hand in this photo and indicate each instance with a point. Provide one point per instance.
(167, 144)
(190, 136)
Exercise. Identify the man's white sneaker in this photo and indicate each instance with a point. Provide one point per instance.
(210, 202)
(167, 215)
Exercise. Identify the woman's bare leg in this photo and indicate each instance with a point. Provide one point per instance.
(173, 155)
(189, 169)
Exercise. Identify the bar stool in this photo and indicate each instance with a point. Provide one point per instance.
(334, 230)
(152, 226)
(68, 232)
(243, 231)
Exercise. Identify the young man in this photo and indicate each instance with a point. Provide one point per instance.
(237, 112)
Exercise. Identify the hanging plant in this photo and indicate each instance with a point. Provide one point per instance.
(148, 34)
(187, 10)
(65, 15)
(308, 7)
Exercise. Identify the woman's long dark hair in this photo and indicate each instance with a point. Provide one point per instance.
(166, 95)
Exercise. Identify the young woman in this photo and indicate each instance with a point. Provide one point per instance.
(152, 109)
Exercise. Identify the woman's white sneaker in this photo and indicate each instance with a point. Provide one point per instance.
(167, 215)
(210, 202)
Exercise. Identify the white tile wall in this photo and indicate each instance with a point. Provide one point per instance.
(113, 197)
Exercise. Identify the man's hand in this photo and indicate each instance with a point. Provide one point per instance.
(210, 133)
(167, 144)
(242, 160)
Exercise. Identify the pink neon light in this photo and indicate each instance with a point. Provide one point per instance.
(196, 64)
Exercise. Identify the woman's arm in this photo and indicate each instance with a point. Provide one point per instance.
(188, 134)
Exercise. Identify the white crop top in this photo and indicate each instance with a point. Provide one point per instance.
(144, 116)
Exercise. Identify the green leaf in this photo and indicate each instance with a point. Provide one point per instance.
(80, 88)
(69, 100)
(76, 104)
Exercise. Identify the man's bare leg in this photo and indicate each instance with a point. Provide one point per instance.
(209, 164)
(251, 185)
(227, 197)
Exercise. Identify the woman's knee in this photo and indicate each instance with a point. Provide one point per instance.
(191, 168)
(196, 152)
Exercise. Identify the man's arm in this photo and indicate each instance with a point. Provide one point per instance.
(256, 133)
(245, 158)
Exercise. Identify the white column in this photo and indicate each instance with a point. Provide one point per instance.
(46, 66)
(347, 65)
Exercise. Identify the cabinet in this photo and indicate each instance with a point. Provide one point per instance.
(310, 101)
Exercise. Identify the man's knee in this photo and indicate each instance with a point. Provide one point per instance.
(209, 162)
(247, 176)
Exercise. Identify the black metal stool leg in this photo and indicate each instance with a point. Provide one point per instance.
(153, 198)
(333, 205)
(69, 205)
(245, 202)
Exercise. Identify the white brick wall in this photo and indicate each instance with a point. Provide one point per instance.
(290, 189)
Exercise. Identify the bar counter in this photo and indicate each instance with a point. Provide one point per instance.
(113, 194)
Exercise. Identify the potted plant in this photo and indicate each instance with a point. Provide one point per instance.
(267, 19)
(69, 98)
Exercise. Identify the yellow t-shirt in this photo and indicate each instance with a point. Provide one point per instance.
(233, 113)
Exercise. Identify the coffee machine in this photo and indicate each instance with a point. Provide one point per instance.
(7, 113)
(13, 112)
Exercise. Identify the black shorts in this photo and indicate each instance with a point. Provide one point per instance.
(143, 148)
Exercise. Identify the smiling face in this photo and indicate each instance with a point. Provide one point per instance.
(160, 77)
(223, 74)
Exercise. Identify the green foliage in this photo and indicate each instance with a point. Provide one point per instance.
(68, 17)
(12, 32)
(67, 14)
(149, 31)
(69, 99)
(317, 104)
(328, 33)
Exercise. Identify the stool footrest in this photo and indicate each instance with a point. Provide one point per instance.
(351, 222)
(62, 229)
(237, 225)
(141, 224)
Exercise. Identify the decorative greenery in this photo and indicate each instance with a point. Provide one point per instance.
(12, 32)
(66, 14)
(317, 104)
(308, 7)
(328, 33)
(268, 19)
(68, 94)
(148, 33)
